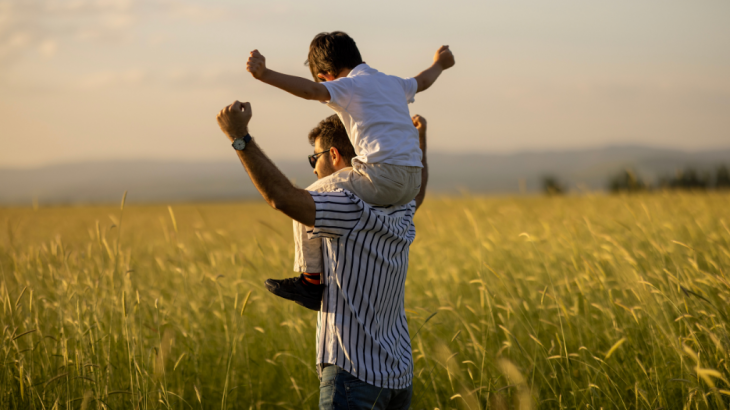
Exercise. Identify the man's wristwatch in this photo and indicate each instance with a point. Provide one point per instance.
(239, 144)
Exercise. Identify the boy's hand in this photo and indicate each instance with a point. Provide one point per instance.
(443, 57)
(256, 64)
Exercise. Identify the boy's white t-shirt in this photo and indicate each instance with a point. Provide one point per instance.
(374, 109)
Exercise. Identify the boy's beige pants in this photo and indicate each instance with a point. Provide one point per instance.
(376, 184)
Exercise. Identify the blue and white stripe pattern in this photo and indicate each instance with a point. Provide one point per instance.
(362, 325)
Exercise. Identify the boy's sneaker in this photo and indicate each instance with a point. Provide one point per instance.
(309, 295)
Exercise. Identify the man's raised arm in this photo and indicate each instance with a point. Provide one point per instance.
(420, 124)
(276, 189)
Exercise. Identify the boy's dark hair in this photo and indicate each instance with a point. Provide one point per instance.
(332, 133)
(331, 52)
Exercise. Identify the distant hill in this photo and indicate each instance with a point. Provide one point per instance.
(152, 181)
(578, 169)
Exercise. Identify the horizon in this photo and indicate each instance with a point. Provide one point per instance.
(291, 159)
(178, 181)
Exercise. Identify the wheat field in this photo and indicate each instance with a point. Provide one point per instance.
(578, 302)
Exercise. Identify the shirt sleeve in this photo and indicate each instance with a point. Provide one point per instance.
(337, 213)
(341, 91)
(410, 87)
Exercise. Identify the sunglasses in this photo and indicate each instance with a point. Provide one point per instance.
(314, 157)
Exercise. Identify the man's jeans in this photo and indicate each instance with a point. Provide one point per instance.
(341, 390)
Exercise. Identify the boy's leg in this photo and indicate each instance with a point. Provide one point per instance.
(365, 182)
(305, 289)
(393, 184)
(376, 185)
(307, 254)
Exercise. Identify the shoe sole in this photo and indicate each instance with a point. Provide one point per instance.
(271, 287)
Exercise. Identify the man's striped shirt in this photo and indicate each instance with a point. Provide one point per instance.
(362, 326)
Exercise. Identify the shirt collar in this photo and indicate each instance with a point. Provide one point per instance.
(360, 69)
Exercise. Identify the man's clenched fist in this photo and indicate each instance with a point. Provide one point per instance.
(234, 119)
(420, 124)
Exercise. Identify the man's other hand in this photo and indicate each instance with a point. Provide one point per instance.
(256, 64)
(420, 124)
(444, 57)
(234, 119)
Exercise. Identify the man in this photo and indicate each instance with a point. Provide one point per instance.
(363, 346)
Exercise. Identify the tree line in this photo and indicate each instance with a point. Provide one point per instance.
(685, 179)
(629, 181)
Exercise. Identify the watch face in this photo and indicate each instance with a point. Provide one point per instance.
(239, 144)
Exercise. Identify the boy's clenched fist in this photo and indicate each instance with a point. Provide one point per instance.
(444, 57)
(256, 64)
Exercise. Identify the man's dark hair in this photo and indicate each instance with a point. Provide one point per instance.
(331, 52)
(332, 133)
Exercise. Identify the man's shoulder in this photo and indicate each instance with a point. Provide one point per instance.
(337, 198)
(341, 196)
(340, 213)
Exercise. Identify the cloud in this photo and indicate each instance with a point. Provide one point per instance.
(191, 12)
(177, 78)
(48, 47)
(43, 25)
(109, 79)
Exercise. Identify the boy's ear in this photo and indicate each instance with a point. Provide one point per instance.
(326, 76)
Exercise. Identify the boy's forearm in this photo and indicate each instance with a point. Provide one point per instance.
(301, 87)
(428, 76)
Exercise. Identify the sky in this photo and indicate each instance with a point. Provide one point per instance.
(106, 80)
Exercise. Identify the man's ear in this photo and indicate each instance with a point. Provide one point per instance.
(335, 156)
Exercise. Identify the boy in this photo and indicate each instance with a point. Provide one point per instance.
(374, 109)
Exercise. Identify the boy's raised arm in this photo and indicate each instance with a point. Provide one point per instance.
(301, 87)
(443, 60)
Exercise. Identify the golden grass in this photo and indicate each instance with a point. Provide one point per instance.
(576, 302)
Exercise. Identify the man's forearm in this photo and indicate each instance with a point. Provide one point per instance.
(424, 175)
(276, 189)
(424, 181)
(301, 87)
(428, 76)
